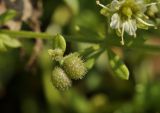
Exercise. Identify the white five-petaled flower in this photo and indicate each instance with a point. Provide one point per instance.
(127, 16)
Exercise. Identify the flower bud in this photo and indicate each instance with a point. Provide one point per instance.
(127, 11)
(60, 80)
(74, 66)
(152, 11)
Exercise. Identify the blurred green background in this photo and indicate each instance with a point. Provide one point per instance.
(31, 91)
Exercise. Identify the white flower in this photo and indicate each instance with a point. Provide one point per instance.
(127, 16)
(130, 27)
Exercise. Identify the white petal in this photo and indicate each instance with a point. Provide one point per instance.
(115, 21)
(130, 27)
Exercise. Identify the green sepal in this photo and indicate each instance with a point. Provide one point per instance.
(59, 42)
(105, 12)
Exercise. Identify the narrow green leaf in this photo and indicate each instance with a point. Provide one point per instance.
(90, 63)
(8, 15)
(117, 65)
(90, 60)
(59, 42)
(90, 55)
(2, 46)
(88, 51)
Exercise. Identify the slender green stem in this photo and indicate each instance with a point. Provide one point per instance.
(29, 34)
(26, 34)
(108, 42)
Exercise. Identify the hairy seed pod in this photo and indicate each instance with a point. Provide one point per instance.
(60, 80)
(74, 66)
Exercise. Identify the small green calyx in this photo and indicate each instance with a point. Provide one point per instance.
(56, 54)
(60, 80)
(74, 66)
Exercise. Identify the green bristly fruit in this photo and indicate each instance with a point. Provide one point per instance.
(60, 80)
(74, 66)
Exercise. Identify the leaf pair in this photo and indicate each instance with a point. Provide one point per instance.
(6, 41)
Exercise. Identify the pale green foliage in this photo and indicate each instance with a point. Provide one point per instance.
(8, 15)
(6, 41)
(73, 4)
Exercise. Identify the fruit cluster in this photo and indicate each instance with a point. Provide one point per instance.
(66, 67)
